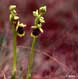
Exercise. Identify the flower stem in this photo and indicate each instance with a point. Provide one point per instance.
(37, 28)
(31, 58)
(14, 53)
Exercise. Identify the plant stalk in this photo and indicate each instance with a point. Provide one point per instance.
(31, 58)
(14, 54)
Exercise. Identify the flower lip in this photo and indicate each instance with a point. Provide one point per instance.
(20, 30)
(36, 32)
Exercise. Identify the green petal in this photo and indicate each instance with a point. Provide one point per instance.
(39, 25)
(41, 30)
(35, 13)
(42, 20)
(16, 17)
(33, 26)
(22, 25)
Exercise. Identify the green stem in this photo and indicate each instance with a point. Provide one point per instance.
(31, 58)
(14, 53)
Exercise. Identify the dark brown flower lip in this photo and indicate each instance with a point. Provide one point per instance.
(20, 30)
(36, 31)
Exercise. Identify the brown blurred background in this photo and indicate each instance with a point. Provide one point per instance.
(60, 37)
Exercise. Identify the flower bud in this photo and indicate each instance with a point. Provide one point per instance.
(36, 32)
(42, 10)
(12, 7)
